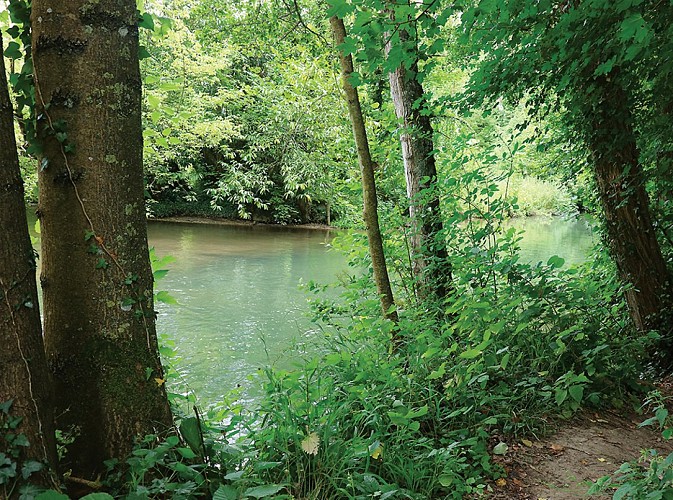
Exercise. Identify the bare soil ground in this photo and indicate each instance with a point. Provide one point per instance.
(564, 465)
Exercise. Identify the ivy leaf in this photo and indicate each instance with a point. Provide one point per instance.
(13, 31)
(143, 53)
(146, 21)
(29, 467)
(13, 51)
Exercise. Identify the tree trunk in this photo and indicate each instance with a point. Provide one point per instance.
(24, 376)
(98, 300)
(370, 203)
(429, 256)
(631, 235)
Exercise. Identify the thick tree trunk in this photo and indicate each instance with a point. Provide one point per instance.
(98, 310)
(429, 255)
(370, 202)
(24, 376)
(631, 235)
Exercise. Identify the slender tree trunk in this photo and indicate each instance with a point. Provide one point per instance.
(24, 376)
(370, 202)
(631, 235)
(429, 255)
(98, 301)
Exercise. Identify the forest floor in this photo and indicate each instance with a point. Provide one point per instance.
(564, 465)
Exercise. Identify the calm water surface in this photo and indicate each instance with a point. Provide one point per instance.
(241, 306)
(571, 239)
(240, 303)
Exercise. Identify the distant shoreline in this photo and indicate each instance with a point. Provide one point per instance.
(241, 223)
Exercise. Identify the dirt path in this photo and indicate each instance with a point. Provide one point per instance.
(563, 466)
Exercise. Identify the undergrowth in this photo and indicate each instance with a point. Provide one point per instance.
(512, 349)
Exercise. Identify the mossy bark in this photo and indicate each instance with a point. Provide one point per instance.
(24, 376)
(98, 311)
(429, 255)
(630, 232)
(369, 199)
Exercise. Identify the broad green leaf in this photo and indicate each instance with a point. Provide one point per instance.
(52, 495)
(191, 433)
(263, 491)
(226, 492)
(576, 392)
(234, 476)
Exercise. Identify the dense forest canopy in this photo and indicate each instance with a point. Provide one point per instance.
(418, 128)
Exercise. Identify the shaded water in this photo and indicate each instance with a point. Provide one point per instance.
(241, 306)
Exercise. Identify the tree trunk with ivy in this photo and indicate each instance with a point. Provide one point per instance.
(99, 317)
(630, 232)
(24, 376)
(429, 255)
(369, 199)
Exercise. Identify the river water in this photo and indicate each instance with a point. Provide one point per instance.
(240, 302)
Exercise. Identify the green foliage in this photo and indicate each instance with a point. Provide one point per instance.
(651, 475)
(251, 130)
(15, 469)
(517, 344)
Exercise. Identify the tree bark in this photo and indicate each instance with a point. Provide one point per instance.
(99, 324)
(630, 233)
(429, 256)
(24, 376)
(369, 198)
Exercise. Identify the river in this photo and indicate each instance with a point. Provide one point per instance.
(240, 302)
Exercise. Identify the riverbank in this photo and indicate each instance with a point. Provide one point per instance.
(185, 219)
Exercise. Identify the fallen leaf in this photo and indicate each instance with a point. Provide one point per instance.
(500, 448)
(501, 482)
(557, 447)
(602, 460)
(527, 442)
